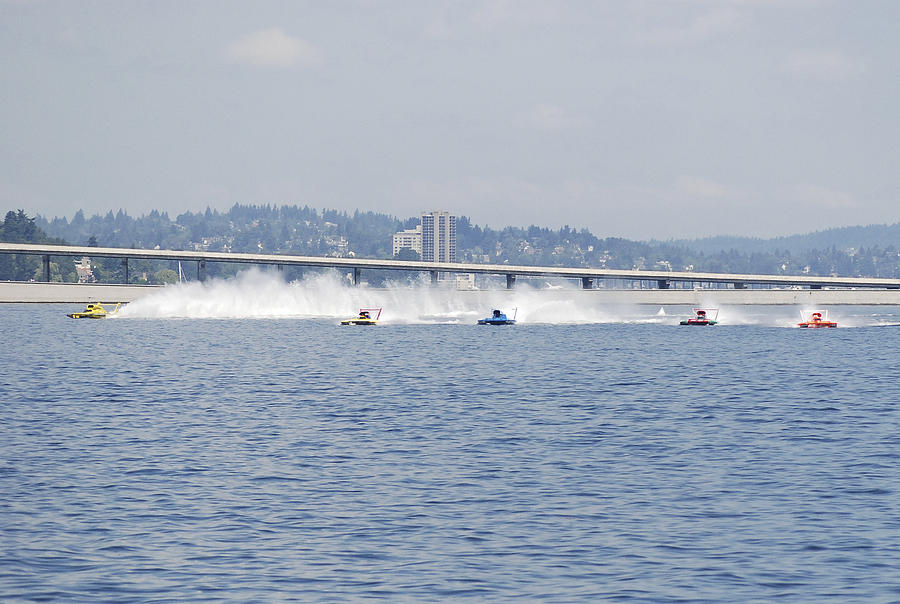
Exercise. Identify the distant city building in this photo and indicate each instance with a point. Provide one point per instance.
(83, 270)
(410, 238)
(438, 237)
(465, 281)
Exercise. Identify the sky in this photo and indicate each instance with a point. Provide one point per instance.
(632, 118)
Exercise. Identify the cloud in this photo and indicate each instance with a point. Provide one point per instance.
(499, 13)
(478, 197)
(271, 48)
(476, 190)
(826, 65)
(548, 118)
(704, 26)
(764, 3)
(821, 197)
(701, 187)
(453, 18)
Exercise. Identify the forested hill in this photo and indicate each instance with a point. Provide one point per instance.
(843, 238)
(305, 230)
(870, 251)
(18, 227)
(244, 228)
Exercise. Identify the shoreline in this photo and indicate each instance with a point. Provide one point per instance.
(12, 292)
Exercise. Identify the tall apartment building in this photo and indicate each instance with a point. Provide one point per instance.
(438, 237)
(411, 238)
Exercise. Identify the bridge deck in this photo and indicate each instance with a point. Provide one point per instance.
(511, 271)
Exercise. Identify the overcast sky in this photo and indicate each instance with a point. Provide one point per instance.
(633, 118)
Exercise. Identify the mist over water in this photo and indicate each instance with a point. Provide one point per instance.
(257, 294)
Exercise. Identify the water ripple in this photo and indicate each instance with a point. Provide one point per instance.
(288, 460)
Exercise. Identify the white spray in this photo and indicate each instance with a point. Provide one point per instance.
(257, 294)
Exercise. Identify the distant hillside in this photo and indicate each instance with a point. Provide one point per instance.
(864, 251)
(843, 238)
(18, 227)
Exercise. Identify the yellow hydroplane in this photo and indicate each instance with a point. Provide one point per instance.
(364, 317)
(94, 311)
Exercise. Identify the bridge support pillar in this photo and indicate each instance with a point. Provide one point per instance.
(45, 260)
(434, 277)
(356, 271)
(125, 269)
(740, 285)
(587, 283)
(510, 281)
(663, 284)
(201, 270)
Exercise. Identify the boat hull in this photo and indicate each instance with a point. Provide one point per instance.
(817, 324)
(698, 322)
(496, 321)
(359, 322)
(93, 311)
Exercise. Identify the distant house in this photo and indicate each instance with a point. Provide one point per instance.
(83, 270)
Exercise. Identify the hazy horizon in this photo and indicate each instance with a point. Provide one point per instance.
(646, 120)
(496, 227)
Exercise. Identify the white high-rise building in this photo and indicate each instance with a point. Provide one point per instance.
(410, 238)
(438, 237)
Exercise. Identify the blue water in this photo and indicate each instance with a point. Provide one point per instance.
(174, 460)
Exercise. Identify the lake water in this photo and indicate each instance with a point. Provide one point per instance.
(152, 459)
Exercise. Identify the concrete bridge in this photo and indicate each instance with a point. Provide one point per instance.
(42, 293)
(588, 276)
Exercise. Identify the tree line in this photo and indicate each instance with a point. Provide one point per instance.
(291, 229)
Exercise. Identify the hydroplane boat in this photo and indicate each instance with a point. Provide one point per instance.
(94, 311)
(816, 319)
(702, 317)
(364, 317)
(498, 318)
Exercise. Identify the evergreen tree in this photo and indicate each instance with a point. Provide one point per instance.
(293, 229)
(18, 227)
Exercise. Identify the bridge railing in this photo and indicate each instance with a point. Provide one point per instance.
(587, 275)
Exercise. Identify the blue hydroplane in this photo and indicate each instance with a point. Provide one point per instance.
(498, 318)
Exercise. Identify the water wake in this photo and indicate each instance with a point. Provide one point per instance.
(257, 294)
